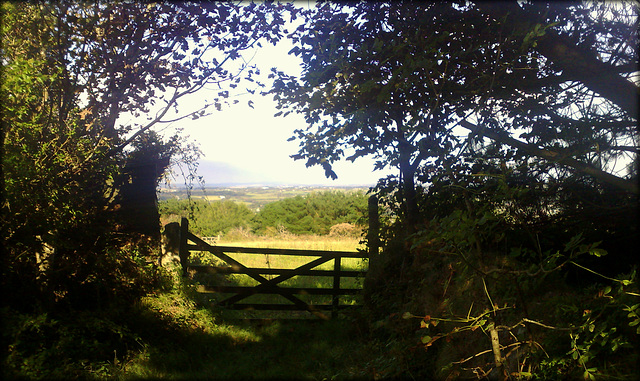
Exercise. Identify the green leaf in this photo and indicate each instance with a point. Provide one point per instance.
(588, 374)
(407, 315)
(426, 339)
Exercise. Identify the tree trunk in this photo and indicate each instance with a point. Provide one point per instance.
(408, 187)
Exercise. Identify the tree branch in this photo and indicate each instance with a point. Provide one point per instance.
(177, 95)
(583, 64)
(626, 185)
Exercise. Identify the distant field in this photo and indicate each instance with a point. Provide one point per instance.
(295, 242)
(254, 197)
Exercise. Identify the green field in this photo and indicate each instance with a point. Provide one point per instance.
(253, 197)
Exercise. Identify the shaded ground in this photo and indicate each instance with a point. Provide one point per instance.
(312, 350)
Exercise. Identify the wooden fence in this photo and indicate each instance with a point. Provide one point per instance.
(189, 242)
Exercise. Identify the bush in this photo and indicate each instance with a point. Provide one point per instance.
(345, 229)
(208, 219)
(68, 346)
(238, 234)
(465, 278)
(314, 213)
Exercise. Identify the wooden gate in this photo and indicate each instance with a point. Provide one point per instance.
(271, 286)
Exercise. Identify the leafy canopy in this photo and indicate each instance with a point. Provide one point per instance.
(393, 81)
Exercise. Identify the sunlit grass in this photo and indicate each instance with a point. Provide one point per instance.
(188, 341)
(303, 242)
(307, 242)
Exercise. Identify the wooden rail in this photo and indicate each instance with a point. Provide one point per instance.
(270, 286)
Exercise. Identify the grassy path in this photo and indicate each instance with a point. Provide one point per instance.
(307, 350)
(185, 341)
(173, 334)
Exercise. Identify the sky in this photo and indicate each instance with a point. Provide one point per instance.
(244, 145)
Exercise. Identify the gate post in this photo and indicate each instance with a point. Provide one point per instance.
(335, 302)
(184, 251)
(374, 228)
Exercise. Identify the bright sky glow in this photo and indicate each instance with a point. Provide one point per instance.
(249, 145)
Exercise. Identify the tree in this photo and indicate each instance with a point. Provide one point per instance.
(74, 75)
(602, 64)
(504, 215)
(314, 213)
(591, 49)
(393, 81)
(367, 85)
(208, 219)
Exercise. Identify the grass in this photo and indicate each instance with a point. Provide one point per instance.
(191, 342)
(252, 351)
(322, 243)
(291, 241)
(175, 334)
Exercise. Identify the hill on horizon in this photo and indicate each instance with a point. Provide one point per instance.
(254, 196)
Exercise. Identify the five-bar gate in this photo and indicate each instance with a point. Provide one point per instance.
(271, 286)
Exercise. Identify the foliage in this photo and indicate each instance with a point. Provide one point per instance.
(167, 335)
(79, 345)
(482, 227)
(207, 219)
(392, 81)
(489, 261)
(78, 81)
(344, 229)
(314, 213)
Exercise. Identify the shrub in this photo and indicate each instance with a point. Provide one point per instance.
(344, 229)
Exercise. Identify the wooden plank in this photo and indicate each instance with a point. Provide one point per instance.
(260, 270)
(296, 252)
(275, 280)
(217, 252)
(336, 283)
(373, 236)
(271, 286)
(183, 252)
(293, 290)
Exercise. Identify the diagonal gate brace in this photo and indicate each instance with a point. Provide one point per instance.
(265, 284)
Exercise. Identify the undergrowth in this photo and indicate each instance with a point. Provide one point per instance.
(170, 335)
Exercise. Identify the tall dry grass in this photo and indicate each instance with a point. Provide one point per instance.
(289, 241)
